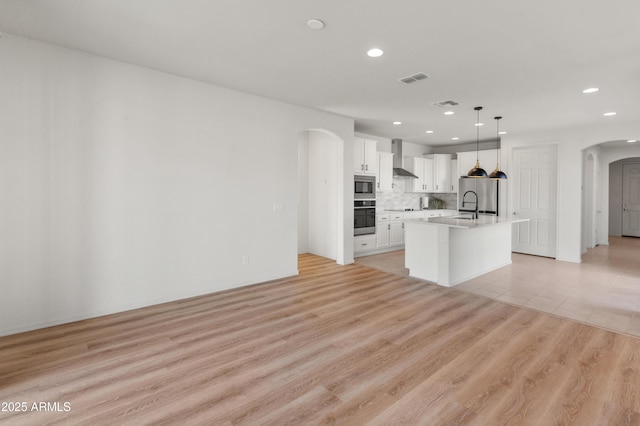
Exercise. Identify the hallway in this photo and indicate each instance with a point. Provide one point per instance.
(604, 290)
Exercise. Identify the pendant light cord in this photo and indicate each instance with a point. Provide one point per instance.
(498, 141)
(478, 135)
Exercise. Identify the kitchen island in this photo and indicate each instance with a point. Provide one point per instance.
(451, 250)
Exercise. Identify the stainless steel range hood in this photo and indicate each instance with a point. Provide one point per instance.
(398, 160)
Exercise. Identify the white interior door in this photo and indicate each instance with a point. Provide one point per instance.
(631, 200)
(534, 189)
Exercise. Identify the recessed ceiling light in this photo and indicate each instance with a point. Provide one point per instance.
(429, 131)
(375, 52)
(590, 90)
(397, 123)
(609, 114)
(455, 138)
(502, 133)
(449, 113)
(479, 124)
(315, 24)
(632, 140)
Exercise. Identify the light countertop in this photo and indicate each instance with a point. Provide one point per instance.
(466, 223)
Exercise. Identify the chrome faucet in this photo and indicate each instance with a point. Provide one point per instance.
(475, 215)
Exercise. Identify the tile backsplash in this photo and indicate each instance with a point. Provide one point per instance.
(397, 199)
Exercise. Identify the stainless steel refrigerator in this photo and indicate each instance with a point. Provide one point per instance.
(488, 193)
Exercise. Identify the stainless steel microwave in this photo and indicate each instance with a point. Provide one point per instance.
(364, 187)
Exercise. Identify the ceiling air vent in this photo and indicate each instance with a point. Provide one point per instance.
(413, 78)
(445, 103)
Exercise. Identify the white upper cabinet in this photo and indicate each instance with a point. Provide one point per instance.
(365, 156)
(442, 173)
(423, 168)
(454, 176)
(385, 171)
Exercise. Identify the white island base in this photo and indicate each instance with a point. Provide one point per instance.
(450, 251)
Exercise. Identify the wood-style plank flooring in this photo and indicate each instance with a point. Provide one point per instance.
(335, 345)
(603, 290)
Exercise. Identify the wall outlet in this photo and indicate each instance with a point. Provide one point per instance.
(245, 259)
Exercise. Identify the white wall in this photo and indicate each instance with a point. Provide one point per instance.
(121, 187)
(318, 228)
(323, 184)
(571, 143)
(303, 192)
(615, 198)
(589, 191)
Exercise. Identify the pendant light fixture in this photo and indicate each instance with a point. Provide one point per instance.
(477, 171)
(497, 173)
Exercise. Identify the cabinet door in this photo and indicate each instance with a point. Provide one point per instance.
(418, 170)
(416, 166)
(428, 175)
(370, 157)
(442, 172)
(385, 171)
(382, 233)
(358, 156)
(454, 176)
(396, 232)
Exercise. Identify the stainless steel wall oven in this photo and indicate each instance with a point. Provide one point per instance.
(364, 217)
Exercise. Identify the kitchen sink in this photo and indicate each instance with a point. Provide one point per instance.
(463, 217)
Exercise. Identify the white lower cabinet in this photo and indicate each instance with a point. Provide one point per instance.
(364, 243)
(390, 229)
(396, 229)
(382, 230)
(389, 234)
(396, 233)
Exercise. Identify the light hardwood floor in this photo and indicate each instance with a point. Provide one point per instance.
(604, 290)
(335, 345)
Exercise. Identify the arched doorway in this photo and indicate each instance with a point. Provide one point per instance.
(603, 184)
(623, 196)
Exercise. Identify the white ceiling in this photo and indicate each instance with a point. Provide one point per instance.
(527, 61)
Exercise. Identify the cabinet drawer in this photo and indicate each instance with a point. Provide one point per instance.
(397, 217)
(364, 243)
(382, 217)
